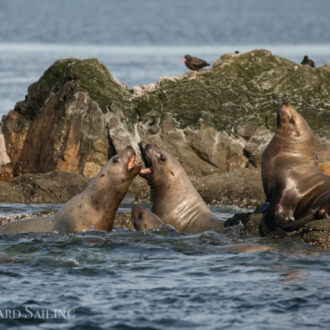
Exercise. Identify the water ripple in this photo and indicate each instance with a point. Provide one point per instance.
(162, 280)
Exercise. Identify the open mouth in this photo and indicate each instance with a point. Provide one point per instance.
(147, 163)
(132, 163)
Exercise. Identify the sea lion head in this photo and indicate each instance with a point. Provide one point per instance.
(143, 219)
(137, 218)
(291, 124)
(121, 167)
(161, 166)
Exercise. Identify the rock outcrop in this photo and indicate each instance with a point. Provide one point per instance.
(53, 187)
(217, 125)
(64, 121)
(316, 233)
(77, 115)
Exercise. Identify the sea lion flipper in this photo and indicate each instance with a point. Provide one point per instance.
(283, 204)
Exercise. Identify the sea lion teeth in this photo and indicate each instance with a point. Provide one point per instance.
(146, 171)
(131, 162)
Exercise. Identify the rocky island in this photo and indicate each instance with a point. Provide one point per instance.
(77, 116)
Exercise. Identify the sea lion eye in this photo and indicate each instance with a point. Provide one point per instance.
(162, 158)
(292, 121)
(116, 160)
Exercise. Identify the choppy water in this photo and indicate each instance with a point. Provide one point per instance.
(160, 280)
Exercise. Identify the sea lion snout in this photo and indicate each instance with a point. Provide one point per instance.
(152, 150)
(148, 148)
(285, 111)
(291, 123)
(151, 155)
(126, 160)
(130, 149)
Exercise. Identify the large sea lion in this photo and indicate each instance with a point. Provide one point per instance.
(95, 207)
(296, 189)
(143, 219)
(173, 197)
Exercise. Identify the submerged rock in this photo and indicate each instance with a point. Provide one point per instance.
(315, 233)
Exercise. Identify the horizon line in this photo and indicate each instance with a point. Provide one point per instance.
(42, 47)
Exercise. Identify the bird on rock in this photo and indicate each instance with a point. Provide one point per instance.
(194, 63)
(308, 61)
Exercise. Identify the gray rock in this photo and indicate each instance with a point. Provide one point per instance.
(217, 125)
(77, 115)
(53, 187)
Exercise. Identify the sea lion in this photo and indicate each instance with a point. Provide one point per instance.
(296, 189)
(95, 207)
(173, 197)
(143, 219)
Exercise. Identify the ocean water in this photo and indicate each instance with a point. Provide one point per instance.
(159, 279)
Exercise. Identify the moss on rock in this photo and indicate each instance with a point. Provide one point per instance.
(230, 107)
(88, 75)
(244, 88)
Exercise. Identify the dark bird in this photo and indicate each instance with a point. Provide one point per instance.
(308, 61)
(194, 63)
